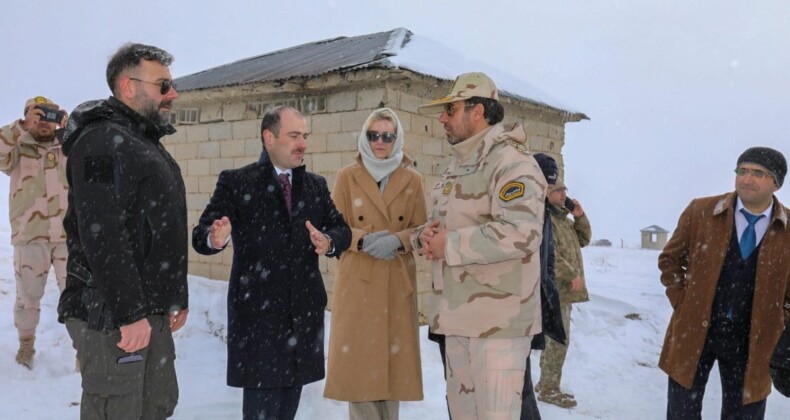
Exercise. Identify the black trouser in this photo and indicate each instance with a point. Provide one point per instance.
(732, 355)
(529, 405)
(271, 403)
(143, 388)
(439, 339)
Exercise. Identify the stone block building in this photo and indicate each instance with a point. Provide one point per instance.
(654, 237)
(335, 83)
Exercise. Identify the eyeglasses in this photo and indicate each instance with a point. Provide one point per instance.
(450, 108)
(164, 85)
(387, 137)
(757, 173)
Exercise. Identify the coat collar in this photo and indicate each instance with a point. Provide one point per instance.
(398, 181)
(470, 153)
(268, 168)
(727, 202)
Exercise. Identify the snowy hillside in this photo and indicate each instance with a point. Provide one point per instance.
(611, 368)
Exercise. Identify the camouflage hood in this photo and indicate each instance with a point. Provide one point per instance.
(474, 149)
(91, 112)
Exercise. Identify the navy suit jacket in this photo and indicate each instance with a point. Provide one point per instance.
(276, 296)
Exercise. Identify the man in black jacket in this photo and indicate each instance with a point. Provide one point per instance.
(126, 289)
(281, 218)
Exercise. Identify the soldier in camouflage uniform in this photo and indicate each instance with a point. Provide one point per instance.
(569, 237)
(31, 156)
(484, 240)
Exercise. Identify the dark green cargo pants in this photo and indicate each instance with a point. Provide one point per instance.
(144, 389)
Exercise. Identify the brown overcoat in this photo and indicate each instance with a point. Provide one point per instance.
(374, 346)
(690, 265)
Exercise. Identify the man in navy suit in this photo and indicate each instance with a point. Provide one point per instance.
(281, 218)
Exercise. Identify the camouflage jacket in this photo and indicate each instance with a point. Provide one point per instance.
(570, 236)
(38, 192)
(491, 201)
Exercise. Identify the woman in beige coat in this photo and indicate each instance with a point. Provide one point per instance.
(374, 349)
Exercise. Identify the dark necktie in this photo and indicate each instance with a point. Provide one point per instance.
(286, 190)
(749, 237)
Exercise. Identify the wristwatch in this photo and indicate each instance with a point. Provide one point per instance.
(331, 244)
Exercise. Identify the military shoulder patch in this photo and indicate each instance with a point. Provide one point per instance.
(511, 191)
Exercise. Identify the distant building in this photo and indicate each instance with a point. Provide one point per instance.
(336, 83)
(654, 237)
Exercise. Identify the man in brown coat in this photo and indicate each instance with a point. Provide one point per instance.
(727, 274)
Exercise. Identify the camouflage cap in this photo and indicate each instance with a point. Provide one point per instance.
(466, 86)
(39, 100)
(557, 185)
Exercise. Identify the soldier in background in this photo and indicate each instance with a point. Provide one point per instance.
(30, 154)
(484, 238)
(570, 236)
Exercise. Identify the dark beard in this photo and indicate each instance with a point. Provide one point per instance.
(150, 109)
(43, 139)
(153, 114)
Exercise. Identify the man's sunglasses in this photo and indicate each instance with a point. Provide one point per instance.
(450, 108)
(387, 137)
(164, 85)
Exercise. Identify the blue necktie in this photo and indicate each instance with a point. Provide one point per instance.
(749, 237)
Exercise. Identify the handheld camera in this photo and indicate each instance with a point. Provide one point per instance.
(51, 115)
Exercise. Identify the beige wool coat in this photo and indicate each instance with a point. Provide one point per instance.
(374, 346)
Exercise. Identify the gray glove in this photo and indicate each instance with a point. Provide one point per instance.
(383, 248)
(369, 238)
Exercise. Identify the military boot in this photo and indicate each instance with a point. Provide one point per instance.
(557, 397)
(24, 356)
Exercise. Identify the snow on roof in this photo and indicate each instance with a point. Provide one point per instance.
(398, 48)
(654, 229)
(426, 56)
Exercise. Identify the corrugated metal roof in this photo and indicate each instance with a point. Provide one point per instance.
(310, 59)
(330, 55)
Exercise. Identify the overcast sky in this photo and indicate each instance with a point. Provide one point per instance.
(675, 89)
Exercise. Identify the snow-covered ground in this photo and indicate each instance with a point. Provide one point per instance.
(611, 367)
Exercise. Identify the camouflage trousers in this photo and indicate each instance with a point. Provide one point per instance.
(31, 267)
(553, 357)
(485, 377)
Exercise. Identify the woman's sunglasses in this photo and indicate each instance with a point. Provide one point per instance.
(387, 137)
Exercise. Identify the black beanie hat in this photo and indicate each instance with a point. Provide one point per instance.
(549, 167)
(769, 158)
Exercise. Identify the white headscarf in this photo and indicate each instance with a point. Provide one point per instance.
(380, 169)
